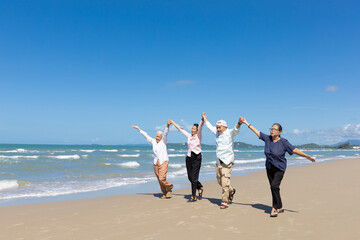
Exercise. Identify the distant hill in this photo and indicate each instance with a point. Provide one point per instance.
(351, 142)
(309, 145)
(244, 145)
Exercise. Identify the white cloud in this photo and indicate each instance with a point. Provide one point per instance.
(331, 88)
(160, 128)
(299, 131)
(328, 136)
(351, 129)
(185, 125)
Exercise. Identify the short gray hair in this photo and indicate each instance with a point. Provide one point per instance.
(159, 132)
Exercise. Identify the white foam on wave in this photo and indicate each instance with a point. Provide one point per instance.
(209, 151)
(18, 157)
(174, 165)
(129, 155)
(20, 150)
(8, 184)
(52, 189)
(171, 150)
(108, 150)
(250, 161)
(131, 164)
(248, 168)
(181, 172)
(75, 156)
(176, 155)
(88, 151)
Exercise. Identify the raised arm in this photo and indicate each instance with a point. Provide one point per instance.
(252, 128)
(166, 132)
(236, 130)
(208, 124)
(200, 129)
(147, 137)
(302, 154)
(186, 134)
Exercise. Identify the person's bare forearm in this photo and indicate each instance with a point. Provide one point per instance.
(302, 154)
(177, 126)
(252, 128)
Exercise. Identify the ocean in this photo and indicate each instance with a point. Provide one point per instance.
(42, 173)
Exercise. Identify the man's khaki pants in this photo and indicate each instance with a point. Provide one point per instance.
(160, 172)
(223, 174)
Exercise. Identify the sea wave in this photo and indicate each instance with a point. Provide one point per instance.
(19, 150)
(108, 150)
(8, 184)
(75, 156)
(129, 155)
(174, 165)
(250, 161)
(248, 168)
(18, 157)
(52, 189)
(131, 164)
(88, 151)
(178, 173)
(176, 155)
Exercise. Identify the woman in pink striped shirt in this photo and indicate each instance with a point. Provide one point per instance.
(193, 158)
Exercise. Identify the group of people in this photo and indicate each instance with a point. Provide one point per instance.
(275, 149)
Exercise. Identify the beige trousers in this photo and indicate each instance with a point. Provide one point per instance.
(160, 171)
(223, 174)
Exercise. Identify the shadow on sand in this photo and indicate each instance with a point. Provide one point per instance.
(217, 201)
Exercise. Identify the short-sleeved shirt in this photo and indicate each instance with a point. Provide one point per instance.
(275, 151)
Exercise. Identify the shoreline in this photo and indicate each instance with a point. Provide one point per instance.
(313, 197)
(148, 187)
(180, 183)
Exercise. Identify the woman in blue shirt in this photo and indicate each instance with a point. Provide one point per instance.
(275, 149)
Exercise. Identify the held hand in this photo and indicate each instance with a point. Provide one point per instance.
(169, 123)
(310, 158)
(136, 127)
(244, 121)
(204, 117)
(241, 120)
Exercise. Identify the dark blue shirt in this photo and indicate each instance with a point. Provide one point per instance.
(275, 151)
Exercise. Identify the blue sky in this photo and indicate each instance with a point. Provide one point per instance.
(82, 72)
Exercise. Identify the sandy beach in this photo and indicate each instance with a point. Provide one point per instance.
(321, 201)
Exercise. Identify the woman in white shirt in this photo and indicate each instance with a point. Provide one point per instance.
(161, 159)
(193, 158)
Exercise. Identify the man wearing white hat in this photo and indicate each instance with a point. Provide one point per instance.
(224, 157)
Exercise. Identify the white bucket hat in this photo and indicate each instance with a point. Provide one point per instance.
(221, 123)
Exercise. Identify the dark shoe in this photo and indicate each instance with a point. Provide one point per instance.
(231, 196)
(168, 194)
(274, 213)
(200, 193)
(192, 200)
(223, 206)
